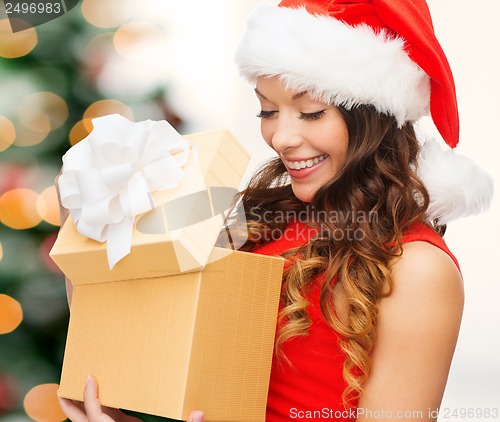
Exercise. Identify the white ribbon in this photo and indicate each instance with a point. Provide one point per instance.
(108, 177)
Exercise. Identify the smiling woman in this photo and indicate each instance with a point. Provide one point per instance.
(340, 114)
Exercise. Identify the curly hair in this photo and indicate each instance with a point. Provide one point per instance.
(378, 178)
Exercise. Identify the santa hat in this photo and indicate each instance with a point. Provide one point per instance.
(378, 52)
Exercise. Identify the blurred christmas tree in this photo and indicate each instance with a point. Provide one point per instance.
(50, 89)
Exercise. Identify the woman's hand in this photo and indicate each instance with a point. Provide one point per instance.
(196, 416)
(92, 411)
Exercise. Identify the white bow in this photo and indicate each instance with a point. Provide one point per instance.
(108, 177)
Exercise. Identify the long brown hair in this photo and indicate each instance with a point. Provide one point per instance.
(378, 180)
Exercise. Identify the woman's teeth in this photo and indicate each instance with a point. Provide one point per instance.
(299, 165)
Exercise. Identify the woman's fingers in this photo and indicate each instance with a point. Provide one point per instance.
(92, 411)
(72, 410)
(196, 416)
(92, 404)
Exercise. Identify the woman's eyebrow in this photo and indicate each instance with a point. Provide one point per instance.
(300, 94)
(260, 94)
(295, 97)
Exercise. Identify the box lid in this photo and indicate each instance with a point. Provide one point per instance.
(179, 234)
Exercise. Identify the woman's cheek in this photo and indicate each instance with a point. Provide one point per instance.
(267, 133)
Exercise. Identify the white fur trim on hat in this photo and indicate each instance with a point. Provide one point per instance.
(457, 186)
(337, 63)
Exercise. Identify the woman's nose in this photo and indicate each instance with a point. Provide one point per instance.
(287, 135)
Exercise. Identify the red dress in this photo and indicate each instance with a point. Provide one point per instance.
(312, 388)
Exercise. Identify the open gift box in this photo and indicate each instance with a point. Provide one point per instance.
(178, 324)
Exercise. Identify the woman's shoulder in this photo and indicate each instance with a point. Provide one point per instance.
(425, 256)
(425, 275)
(425, 259)
(425, 236)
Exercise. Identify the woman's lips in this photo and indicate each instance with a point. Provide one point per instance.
(299, 169)
(306, 163)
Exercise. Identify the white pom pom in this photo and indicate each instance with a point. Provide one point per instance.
(458, 187)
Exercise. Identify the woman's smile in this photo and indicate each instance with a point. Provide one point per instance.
(299, 164)
(303, 168)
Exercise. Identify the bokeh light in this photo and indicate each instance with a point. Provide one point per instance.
(47, 206)
(95, 54)
(41, 404)
(7, 133)
(39, 113)
(37, 108)
(27, 137)
(98, 48)
(13, 176)
(18, 209)
(78, 132)
(103, 108)
(13, 45)
(1, 251)
(139, 41)
(11, 314)
(107, 13)
(100, 108)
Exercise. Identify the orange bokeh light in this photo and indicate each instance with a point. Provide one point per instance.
(106, 13)
(7, 133)
(40, 108)
(11, 314)
(139, 41)
(77, 133)
(18, 209)
(13, 45)
(41, 404)
(47, 206)
(103, 108)
(27, 137)
(35, 121)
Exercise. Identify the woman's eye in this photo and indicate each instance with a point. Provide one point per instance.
(312, 116)
(266, 114)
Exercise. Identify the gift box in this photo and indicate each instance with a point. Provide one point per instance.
(177, 324)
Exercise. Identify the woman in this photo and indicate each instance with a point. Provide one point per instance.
(363, 304)
(372, 297)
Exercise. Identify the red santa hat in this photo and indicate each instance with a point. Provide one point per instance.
(378, 52)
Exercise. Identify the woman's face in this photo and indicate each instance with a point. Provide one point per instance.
(309, 136)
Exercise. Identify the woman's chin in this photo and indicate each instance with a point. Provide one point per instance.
(303, 194)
